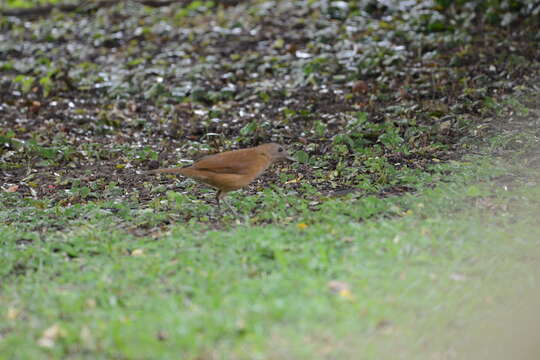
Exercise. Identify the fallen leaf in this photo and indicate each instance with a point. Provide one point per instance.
(86, 337)
(35, 106)
(341, 288)
(162, 335)
(302, 54)
(12, 188)
(383, 324)
(402, 276)
(302, 226)
(458, 277)
(12, 313)
(385, 327)
(360, 87)
(346, 294)
(49, 336)
(293, 181)
(91, 303)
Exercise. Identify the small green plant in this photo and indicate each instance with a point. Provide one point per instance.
(319, 128)
(176, 200)
(25, 82)
(194, 8)
(250, 128)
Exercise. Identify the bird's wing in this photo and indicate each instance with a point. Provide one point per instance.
(232, 162)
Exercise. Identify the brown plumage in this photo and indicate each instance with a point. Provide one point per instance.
(231, 170)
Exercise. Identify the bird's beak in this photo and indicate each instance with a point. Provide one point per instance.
(290, 158)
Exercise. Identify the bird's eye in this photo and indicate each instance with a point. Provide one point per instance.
(280, 149)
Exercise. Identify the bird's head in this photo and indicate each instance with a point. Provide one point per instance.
(276, 152)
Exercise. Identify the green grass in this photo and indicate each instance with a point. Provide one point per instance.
(413, 268)
(29, 3)
(91, 268)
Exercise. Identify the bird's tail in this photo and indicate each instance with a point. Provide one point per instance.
(165, 171)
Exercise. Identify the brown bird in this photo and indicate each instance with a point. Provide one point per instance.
(231, 170)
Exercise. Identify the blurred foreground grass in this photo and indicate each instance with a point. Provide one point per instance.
(359, 278)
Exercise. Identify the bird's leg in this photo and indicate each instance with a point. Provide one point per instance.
(218, 196)
(221, 196)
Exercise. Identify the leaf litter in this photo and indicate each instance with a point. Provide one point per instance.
(368, 96)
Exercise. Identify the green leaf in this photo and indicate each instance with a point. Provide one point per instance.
(301, 156)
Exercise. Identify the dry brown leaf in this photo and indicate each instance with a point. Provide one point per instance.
(12, 188)
(458, 277)
(49, 336)
(360, 87)
(12, 313)
(341, 288)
